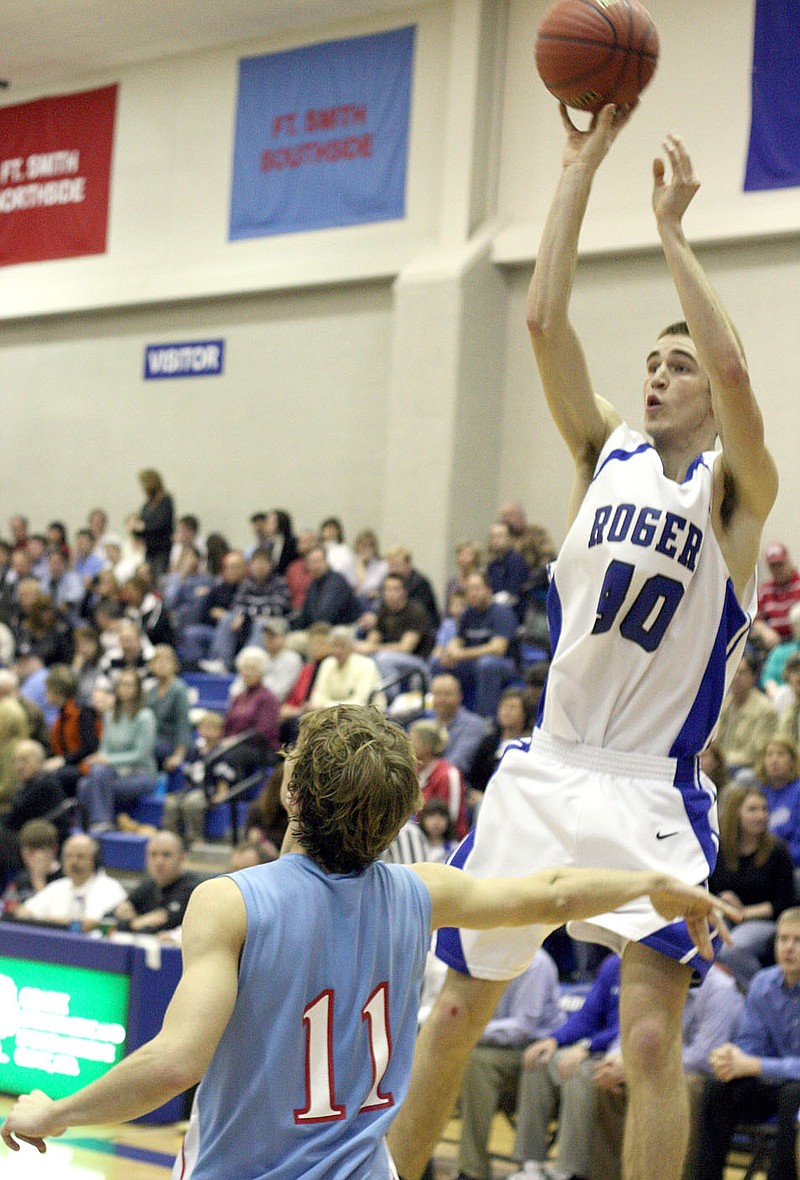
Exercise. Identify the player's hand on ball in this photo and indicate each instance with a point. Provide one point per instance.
(589, 147)
(30, 1119)
(674, 899)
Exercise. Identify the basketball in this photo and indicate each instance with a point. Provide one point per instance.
(592, 52)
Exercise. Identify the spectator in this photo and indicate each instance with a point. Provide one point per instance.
(157, 904)
(438, 828)
(776, 597)
(36, 794)
(409, 847)
(252, 717)
(339, 555)
(468, 561)
(247, 854)
(208, 779)
(168, 701)
(512, 723)
(186, 537)
(88, 561)
(772, 679)
(18, 527)
(124, 768)
(132, 650)
(298, 701)
(97, 520)
(418, 587)
(56, 534)
(329, 596)
(438, 778)
(283, 665)
(102, 604)
(197, 642)
(402, 636)
(482, 654)
(261, 595)
(714, 764)
(267, 820)
(512, 514)
(85, 662)
(465, 730)
(777, 770)
(34, 717)
(123, 566)
(757, 1074)
(529, 1009)
(82, 896)
(789, 716)
(38, 850)
(146, 608)
(710, 1018)
(746, 720)
(557, 1073)
(345, 677)
(298, 576)
(155, 523)
(507, 571)
(753, 872)
(75, 733)
(370, 570)
(44, 639)
(13, 730)
(216, 548)
(448, 628)
(185, 590)
(281, 541)
(64, 585)
(261, 537)
(37, 555)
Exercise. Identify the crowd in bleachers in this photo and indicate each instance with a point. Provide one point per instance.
(106, 639)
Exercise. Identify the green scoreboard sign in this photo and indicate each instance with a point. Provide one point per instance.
(61, 1027)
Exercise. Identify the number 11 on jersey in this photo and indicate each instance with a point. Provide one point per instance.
(318, 1016)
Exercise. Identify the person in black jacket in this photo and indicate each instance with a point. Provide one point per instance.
(155, 522)
(36, 795)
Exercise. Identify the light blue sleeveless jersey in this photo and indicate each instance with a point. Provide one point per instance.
(315, 1061)
(645, 627)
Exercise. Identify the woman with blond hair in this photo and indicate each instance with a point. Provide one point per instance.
(13, 729)
(754, 872)
(155, 523)
(438, 778)
(778, 772)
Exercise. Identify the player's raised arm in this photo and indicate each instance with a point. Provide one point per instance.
(583, 420)
(213, 935)
(747, 461)
(555, 896)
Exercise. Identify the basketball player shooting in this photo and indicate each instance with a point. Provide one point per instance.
(301, 979)
(650, 603)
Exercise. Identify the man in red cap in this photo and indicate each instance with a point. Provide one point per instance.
(776, 598)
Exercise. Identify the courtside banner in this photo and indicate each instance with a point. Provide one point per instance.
(773, 158)
(322, 135)
(55, 170)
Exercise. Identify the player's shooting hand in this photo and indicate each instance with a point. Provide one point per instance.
(30, 1120)
(671, 199)
(590, 147)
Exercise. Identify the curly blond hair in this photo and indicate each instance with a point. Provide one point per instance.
(353, 784)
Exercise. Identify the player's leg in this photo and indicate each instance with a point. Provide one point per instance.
(652, 996)
(445, 1042)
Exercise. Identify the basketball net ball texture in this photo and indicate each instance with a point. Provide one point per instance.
(592, 52)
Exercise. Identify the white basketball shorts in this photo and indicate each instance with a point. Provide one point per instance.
(553, 804)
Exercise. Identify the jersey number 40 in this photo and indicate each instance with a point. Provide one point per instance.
(321, 1106)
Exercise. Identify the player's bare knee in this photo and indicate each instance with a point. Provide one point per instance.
(455, 1021)
(648, 1046)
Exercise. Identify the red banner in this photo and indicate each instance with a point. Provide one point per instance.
(55, 173)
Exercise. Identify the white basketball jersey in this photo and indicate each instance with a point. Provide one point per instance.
(645, 627)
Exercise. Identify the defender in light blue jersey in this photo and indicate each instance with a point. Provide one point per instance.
(650, 603)
(300, 990)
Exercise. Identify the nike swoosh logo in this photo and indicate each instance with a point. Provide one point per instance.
(665, 835)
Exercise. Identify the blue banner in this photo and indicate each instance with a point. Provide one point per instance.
(322, 135)
(195, 358)
(773, 158)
